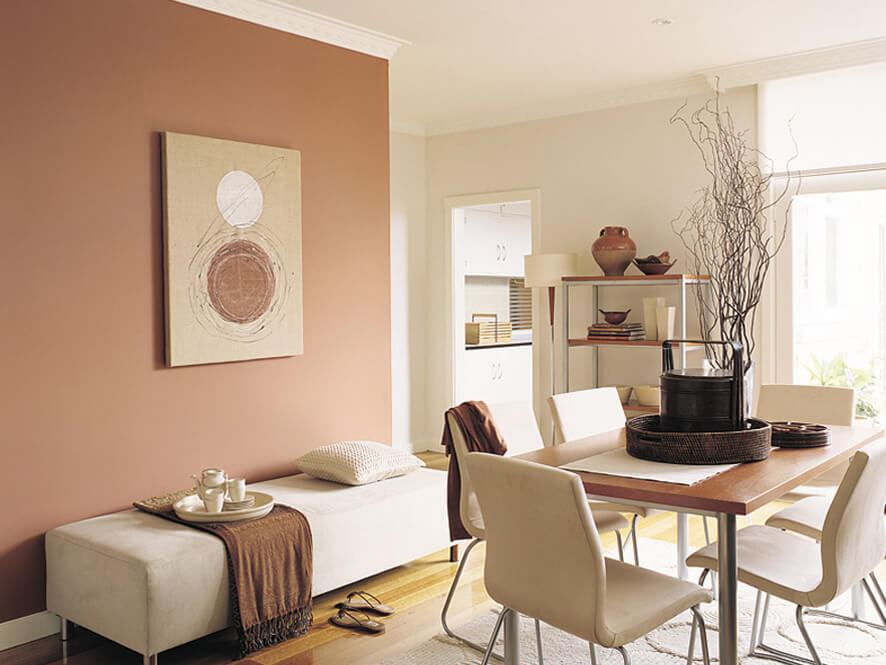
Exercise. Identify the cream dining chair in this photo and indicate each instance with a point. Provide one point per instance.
(544, 559)
(810, 574)
(825, 405)
(516, 423)
(584, 413)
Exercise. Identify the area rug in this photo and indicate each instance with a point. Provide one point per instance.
(839, 642)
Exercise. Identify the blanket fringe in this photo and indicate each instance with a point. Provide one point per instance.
(276, 630)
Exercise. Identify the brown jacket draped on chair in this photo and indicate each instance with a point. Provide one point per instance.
(481, 436)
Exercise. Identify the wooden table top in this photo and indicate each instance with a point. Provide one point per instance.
(738, 491)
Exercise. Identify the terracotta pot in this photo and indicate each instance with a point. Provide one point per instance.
(614, 250)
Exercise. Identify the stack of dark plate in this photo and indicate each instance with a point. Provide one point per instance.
(787, 434)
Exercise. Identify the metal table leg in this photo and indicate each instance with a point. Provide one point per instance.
(512, 638)
(682, 545)
(728, 569)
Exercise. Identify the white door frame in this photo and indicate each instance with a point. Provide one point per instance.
(780, 335)
(454, 262)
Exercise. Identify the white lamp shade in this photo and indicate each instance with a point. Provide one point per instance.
(548, 269)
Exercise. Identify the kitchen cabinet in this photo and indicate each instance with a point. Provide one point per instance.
(497, 374)
(494, 245)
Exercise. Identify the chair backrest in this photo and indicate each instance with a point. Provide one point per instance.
(543, 552)
(516, 424)
(826, 405)
(854, 536)
(586, 412)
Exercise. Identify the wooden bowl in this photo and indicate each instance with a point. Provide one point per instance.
(654, 268)
(614, 317)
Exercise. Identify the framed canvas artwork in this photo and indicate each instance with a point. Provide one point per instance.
(232, 250)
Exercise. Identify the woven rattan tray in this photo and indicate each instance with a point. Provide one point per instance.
(646, 441)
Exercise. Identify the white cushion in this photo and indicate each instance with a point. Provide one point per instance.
(357, 462)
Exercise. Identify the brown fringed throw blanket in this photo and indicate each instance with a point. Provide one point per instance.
(271, 567)
(481, 436)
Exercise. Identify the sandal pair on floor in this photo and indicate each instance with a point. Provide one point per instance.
(352, 613)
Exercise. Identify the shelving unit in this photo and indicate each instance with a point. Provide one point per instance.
(678, 282)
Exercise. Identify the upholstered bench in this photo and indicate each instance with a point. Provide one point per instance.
(151, 584)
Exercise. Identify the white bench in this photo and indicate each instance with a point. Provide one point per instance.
(151, 584)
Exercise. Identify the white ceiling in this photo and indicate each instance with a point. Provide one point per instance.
(482, 62)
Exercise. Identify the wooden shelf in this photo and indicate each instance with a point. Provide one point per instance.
(676, 278)
(638, 342)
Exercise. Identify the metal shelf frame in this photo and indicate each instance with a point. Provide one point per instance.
(680, 282)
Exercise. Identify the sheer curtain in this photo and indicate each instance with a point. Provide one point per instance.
(829, 306)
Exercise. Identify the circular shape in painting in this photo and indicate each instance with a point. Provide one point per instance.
(239, 199)
(240, 281)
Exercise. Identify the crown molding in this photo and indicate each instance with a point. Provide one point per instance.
(682, 87)
(797, 64)
(296, 21)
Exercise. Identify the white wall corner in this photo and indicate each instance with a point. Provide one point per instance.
(296, 21)
(404, 126)
(797, 64)
(27, 629)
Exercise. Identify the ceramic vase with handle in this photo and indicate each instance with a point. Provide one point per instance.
(614, 250)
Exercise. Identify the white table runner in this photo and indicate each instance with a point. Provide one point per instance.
(619, 463)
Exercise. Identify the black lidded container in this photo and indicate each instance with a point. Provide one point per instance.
(697, 400)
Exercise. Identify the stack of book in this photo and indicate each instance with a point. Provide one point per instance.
(623, 332)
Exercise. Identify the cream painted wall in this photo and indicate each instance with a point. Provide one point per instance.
(408, 289)
(625, 166)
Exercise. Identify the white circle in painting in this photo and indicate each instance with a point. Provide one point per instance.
(239, 199)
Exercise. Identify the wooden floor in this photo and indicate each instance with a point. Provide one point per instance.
(417, 592)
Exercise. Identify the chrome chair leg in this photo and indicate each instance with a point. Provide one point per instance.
(870, 592)
(707, 534)
(621, 548)
(624, 655)
(495, 631)
(755, 621)
(690, 651)
(634, 539)
(770, 653)
(541, 656)
(698, 620)
(806, 638)
(66, 629)
(593, 653)
(461, 566)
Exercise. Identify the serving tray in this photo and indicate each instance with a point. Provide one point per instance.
(645, 439)
(191, 509)
(787, 434)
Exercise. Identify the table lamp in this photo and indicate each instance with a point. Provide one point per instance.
(542, 270)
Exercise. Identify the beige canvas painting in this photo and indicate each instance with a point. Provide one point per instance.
(232, 233)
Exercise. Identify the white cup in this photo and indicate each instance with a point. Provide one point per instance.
(650, 306)
(236, 489)
(214, 499)
(664, 322)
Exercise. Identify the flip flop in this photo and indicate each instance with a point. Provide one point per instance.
(363, 601)
(356, 620)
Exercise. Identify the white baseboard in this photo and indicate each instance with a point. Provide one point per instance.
(28, 628)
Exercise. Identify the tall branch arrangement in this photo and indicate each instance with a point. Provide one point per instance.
(727, 232)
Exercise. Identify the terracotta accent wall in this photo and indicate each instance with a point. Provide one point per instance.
(91, 418)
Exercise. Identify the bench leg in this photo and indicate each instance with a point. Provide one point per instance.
(453, 553)
(150, 660)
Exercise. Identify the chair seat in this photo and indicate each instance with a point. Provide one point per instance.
(607, 521)
(639, 600)
(781, 563)
(805, 517)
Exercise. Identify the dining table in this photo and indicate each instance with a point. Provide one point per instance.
(739, 490)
